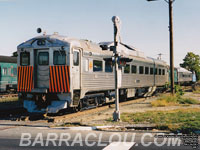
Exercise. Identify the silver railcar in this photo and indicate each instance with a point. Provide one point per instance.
(57, 72)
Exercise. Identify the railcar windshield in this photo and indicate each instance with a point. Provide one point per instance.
(43, 58)
(25, 59)
(59, 58)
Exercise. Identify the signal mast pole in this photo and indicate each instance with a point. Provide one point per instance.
(116, 23)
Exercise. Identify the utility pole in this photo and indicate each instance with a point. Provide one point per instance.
(116, 23)
(170, 43)
(171, 46)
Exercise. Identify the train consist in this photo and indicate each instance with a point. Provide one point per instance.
(8, 74)
(57, 72)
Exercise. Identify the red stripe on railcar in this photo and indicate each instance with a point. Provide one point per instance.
(59, 79)
(64, 79)
(25, 78)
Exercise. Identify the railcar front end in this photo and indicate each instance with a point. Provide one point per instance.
(44, 74)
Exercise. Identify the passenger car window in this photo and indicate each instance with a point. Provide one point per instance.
(14, 71)
(156, 71)
(97, 65)
(134, 69)
(146, 70)
(127, 68)
(59, 58)
(159, 71)
(25, 59)
(43, 58)
(108, 66)
(151, 71)
(141, 70)
(76, 58)
(163, 72)
(9, 71)
(5, 71)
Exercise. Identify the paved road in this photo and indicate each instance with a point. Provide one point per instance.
(36, 136)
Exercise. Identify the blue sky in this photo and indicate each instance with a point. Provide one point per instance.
(144, 24)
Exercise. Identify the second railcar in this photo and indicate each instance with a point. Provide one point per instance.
(8, 74)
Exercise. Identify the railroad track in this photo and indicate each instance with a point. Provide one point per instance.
(8, 95)
(57, 119)
(23, 115)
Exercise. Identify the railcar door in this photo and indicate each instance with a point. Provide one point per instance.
(76, 69)
(42, 68)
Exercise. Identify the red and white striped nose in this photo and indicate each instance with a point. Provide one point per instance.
(59, 79)
(25, 78)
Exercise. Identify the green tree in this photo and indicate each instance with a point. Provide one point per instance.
(191, 62)
(14, 54)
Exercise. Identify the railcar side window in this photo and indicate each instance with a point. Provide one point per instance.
(25, 59)
(127, 68)
(108, 66)
(163, 72)
(156, 71)
(9, 71)
(14, 71)
(59, 58)
(151, 71)
(76, 58)
(141, 70)
(146, 70)
(159, 71)
(43, 58)
(5, 71)
(134, 69)
(97, 66)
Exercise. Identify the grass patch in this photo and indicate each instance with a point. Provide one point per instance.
(197, 90)
(169, 100)
(70, 124)
(179, 120)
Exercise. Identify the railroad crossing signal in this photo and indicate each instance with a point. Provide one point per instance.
(116, 23)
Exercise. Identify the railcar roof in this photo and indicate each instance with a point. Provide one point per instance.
(59, 40)
(8, 59)
(180, 69)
